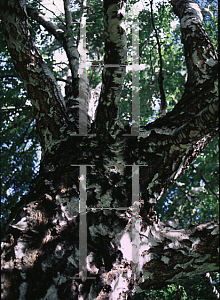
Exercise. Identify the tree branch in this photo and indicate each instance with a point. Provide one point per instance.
(179, 253)
(68, 42)
(163, 103)
(50, 11)
(71, 50)
(48, 25)
(48, 103)
(179, 146)
(66, 39)
(200, 54)
(107, 120)
(68, 15)
(16, 76)
(196, 122)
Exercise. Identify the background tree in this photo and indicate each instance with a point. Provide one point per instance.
(197, 199)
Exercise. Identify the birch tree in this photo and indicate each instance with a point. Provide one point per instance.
(87, 228)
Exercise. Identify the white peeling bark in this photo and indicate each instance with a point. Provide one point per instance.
(107, 115)
(165, 256)
(200, 54)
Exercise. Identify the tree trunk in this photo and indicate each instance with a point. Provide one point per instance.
(41, 256)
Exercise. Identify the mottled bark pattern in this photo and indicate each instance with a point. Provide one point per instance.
(201, 57)
(107, 116)
(40, 248)
(38, 80)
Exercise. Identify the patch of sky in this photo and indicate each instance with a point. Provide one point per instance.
(3, 63)
(28, 103)
(5, 145)
(174, 23)
(10, 191)
(28, 145)
(37, 161)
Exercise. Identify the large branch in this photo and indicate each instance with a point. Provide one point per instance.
(167, 152)
(69, 46)
(163, 103)
(112, 76)
(38, 80)
(68, 42)
(166, 255)
(68, 15)
(65, 38)
(200, 54)
(171, 143)
(48, 25)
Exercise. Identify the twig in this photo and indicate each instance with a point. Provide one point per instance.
(16, 76)
(51, 12)
(48, 25)
(5, 108)
(16, 124)
(206, 182)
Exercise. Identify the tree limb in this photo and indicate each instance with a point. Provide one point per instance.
(66, 38)
(106, 119)
(50, 11)
(178, 252)
(48, 25)
(68, 15)
(201, 57)
(163, 103)
(48, 103)
(196, 121)
(68, 42)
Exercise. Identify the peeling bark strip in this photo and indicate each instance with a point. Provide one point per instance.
(177, 254)
(166, 255)
(40, 250)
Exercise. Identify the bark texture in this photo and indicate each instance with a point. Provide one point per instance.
(40, 249)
